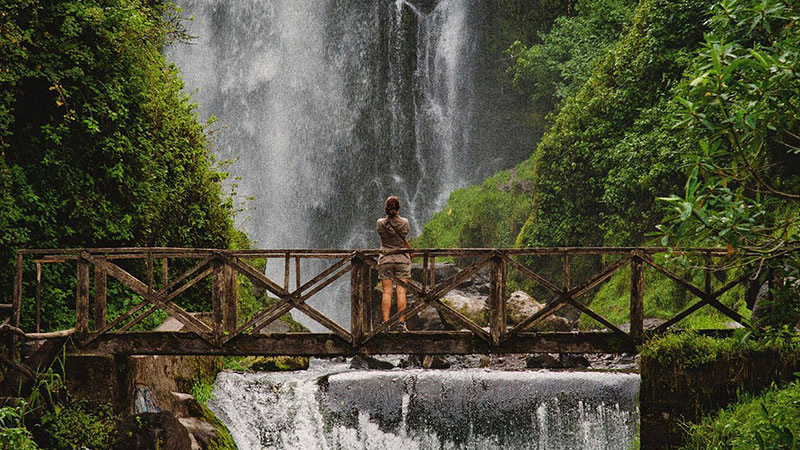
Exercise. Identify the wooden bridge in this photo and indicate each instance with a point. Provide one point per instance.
(164, 274)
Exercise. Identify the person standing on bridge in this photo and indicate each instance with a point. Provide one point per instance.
(393, 230)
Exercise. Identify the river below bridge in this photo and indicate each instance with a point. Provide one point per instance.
(331, 406)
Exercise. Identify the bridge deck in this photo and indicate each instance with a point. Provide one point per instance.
(326, 344)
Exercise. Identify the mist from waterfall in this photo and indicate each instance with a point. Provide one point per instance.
(326, 107)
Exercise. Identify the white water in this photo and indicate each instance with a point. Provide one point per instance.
(418, 409)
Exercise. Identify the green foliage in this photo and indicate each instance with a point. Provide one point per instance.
(73, 426)
(572, 163)
(766, 421)
(663, 299)
(689, 349)
(489, 215)
(741, 108)
(99, 144)
(553, 69)
(13, 433)
(202, 388)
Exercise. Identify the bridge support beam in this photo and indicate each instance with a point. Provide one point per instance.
(637, 300)
(224, 299)
(497, 296)
(360, 300)
(326, 344)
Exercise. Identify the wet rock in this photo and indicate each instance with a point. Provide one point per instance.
(151, 431)
(276, 363)
(360, 362)
(435, 362)
(520, 306)
(542, 361)
(203, 435)
(474, 308)
(410, 362)
(573, 361)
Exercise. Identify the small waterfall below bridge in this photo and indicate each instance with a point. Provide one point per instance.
(331, 407)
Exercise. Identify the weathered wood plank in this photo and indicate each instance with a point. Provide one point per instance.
(319, 344)
(497, 300)
(549, 309)
(224, 302)
(17, 300)
(82, 297)
(589, 312)
(461, 319)
(531, 274)
(675, 277)
(38, 320)
(359, 297)
(416, 307)
(255, 276)
(598, 278)
(142, 289)
(100, 297)
(678, 317)
(637, 301)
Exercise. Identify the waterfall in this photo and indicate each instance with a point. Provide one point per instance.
(326, 107)
(332, 407)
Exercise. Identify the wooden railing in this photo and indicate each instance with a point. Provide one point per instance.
(226, 267)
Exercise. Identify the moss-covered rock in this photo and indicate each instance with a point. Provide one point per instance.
(274, 363)
(475, 309)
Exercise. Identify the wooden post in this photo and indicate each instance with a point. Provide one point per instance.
(82, 297)
(637, 300)
(707, 274)
(425, 256)
(17, 300)
(38, 297)
(100, 282)
(224, 298)
(497, 299)
(297, 272)
(432, 272)
(286, 272)
(150, 271)
(164, 272)
(359, 300)
(566, 272)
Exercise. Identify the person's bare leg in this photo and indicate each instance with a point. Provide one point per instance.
(386, 298)
(401, 299)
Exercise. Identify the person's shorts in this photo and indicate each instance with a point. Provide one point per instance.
(398, 269)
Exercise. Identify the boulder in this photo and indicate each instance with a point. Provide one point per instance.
(435, 362)
(275, 363)
(360, 362)
(151, 431)
(542, 361)
(559, 361)
(520, 306)
(203, 435)
(475, 308)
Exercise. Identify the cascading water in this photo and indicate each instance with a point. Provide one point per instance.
(331, 407)
(329, 106)
(326, 107)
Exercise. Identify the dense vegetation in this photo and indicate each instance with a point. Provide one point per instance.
(703, 90)
(765, 421)
(100, 145)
